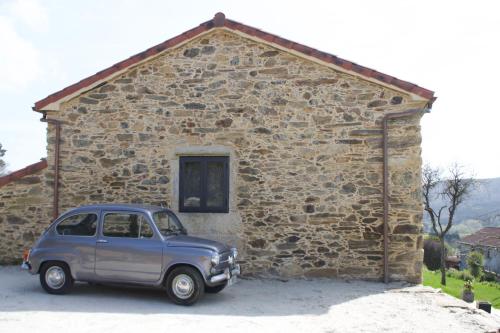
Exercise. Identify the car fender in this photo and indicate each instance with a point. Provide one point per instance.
(41, 255)
(199, 258)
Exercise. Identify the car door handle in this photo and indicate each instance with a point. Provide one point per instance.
(101, 241)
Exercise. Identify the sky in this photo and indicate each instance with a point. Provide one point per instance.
(450, 47)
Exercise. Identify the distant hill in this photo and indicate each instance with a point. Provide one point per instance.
(480, 209)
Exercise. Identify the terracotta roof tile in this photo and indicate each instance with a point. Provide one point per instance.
(486, 237)
(220, 20)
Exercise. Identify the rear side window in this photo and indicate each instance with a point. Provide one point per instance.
(84, 224)
(128, 225)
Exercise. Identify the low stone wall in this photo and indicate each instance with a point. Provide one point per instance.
(25, 206)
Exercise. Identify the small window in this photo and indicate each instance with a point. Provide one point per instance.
(84, 224)
(127, 225)
(204, 184)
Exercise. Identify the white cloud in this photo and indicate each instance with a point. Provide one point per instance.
(19, 59)
(30, 13)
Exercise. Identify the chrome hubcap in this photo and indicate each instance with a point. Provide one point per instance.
(55, 277)
(183, 286)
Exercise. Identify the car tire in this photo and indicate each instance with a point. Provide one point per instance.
(185, 286)
(55, 278)
(215, 289)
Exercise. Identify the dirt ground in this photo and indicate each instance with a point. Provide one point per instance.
(250, 305)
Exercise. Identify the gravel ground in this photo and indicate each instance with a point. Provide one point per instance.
(250, 305)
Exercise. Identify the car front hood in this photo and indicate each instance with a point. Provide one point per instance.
(189, 241)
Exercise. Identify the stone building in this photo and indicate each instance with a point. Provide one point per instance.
(487, 242)
(252, 139)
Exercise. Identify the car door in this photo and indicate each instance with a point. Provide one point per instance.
(128, 249)
(74, 240)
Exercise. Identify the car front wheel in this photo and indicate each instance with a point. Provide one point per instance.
(56, 278)
(185, 285)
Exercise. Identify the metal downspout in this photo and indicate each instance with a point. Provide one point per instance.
(57, 124)
(386, 119)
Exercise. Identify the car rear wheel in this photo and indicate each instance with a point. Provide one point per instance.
(185, 285)
(216, 289)
(56, 278)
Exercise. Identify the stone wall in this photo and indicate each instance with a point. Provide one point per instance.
(25, 207)
(305, 147)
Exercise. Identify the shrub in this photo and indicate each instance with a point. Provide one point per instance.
(432, 237)
(488, 277)
(464, 275)
(452, 272)
(432, 254)
(475, 263)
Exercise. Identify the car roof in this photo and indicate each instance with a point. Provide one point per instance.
(118, 206)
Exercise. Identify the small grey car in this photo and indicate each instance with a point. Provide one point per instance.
(130, 244)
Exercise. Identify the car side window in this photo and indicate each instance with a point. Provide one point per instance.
(84, 224)
(145, 230)
(128, 225)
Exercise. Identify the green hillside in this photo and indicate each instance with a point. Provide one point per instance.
(480, 209)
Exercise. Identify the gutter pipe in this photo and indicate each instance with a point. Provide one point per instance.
(55, 201)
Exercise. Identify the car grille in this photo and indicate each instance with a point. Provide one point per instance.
(224, 257)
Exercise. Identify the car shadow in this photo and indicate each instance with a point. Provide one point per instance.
(253, 297)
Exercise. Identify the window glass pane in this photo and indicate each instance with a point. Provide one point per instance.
(204, 184)
(215, 184)
(78, 225)
(192, 184)
(145, 231)
(167, 224)
(123, 225)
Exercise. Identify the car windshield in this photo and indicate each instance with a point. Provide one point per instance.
(167, 223)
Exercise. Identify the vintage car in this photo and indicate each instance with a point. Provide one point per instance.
(130, 244)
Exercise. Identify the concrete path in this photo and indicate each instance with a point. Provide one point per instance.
(249, 306)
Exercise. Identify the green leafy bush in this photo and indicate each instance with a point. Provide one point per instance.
(431, 237)
(466, 275)
(452, 272)
(475, 263)
(488, 277)
(461, 275)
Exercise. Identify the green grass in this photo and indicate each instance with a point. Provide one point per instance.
(483, 291)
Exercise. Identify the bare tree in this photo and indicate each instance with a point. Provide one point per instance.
(3, 165)
(454, 189)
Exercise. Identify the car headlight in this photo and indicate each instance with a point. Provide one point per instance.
(215, 259)
(235, 252)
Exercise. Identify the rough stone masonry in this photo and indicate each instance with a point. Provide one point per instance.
(305, 148)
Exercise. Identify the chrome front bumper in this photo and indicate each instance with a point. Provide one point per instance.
(226, 275)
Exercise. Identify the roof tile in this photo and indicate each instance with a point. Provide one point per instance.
(489, 236)
(29, 170)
